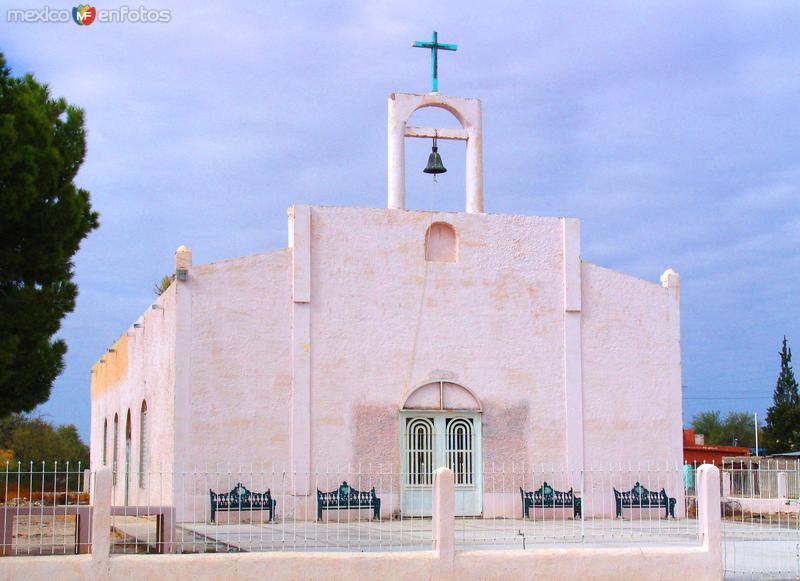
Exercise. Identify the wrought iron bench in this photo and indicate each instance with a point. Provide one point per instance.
(640, 497)
(547, 497)
(241, 499)
(346, 497)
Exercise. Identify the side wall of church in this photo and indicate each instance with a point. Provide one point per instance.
(632, 411)
(141, 369)
(631, 402)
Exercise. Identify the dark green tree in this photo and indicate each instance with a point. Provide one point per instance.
(782, 426)
(36, 440)
(736, 429)
(709, 424)
(8, 425)
(43, 218)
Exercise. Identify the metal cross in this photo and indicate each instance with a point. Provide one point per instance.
(434, 46)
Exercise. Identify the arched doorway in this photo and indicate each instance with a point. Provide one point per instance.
(127, 457)
(440, 425)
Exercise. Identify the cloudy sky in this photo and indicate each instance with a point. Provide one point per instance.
(670, 128)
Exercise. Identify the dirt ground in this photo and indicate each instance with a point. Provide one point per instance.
(44, 535)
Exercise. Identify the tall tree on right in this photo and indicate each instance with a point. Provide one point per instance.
(782, 429)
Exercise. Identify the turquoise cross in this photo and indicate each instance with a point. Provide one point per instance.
(435, 48)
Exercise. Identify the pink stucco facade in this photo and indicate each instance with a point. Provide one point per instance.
(303, 357)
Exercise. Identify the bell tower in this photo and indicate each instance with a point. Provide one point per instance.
(466, 111)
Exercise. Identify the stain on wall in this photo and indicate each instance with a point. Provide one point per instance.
(506, 433)
(111, 368)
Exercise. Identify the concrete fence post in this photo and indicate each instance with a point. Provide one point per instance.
(101, 523)
(783, 487)
(444, 520)
(709, 513)
(726, 483)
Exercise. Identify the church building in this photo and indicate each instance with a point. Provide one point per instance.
(391, 337)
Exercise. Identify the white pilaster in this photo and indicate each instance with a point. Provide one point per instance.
(300, 217)
(182, 429)
(573, 365)
(474, 178)
(397, 155)
(671, 281)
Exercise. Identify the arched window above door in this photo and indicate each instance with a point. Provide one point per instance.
(442, 396)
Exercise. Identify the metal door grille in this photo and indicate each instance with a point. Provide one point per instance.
(420, 436)
(460, 450)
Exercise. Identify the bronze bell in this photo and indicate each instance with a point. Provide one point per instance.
(435, 165)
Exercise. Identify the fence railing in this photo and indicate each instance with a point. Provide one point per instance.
(490, 508)
(441, 559)
(601, 509)
(44, 509)
(760, 510)
(364, 514)
(61, 509)
(761, 477)
(266, 507)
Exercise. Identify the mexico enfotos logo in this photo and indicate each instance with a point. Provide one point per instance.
(85, 14)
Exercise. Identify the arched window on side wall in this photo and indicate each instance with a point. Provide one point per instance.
(144, 452)
(105, 441)
(114, 451)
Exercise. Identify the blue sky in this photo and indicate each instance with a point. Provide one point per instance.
(670, 128)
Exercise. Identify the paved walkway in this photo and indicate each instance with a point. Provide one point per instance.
(416, 534)
(761, 551)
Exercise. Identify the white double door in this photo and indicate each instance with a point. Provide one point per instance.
(431, 440)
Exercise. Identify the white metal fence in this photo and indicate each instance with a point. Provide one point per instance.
(297, 522)
(761, 478)
(594, 520)
(44, 509)
(760, 518)
(489, 509)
